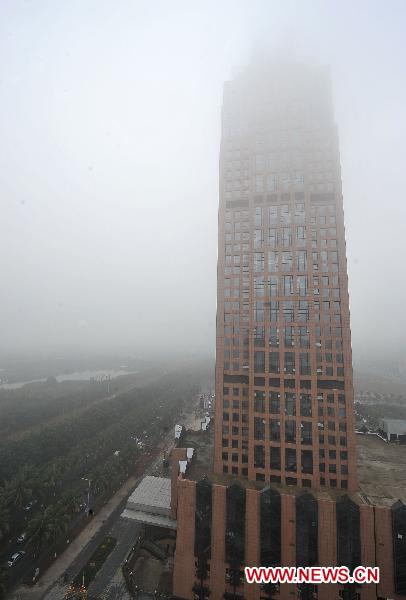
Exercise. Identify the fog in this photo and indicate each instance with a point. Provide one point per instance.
(109, 145)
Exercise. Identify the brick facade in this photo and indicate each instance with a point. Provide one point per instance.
(376, 545)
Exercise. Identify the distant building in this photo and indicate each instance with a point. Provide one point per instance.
(394, 430)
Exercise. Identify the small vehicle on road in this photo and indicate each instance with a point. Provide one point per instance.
(15, 558)
(30, 505)
(22, 538)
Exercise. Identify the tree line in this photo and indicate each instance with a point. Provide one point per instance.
(100, 443)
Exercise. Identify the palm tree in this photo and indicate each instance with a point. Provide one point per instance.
(52, 477)
(38, 530)
(97, 481)
(3, 581)
(58, 523)
(70, 501)
(19, 489)
(4, 518)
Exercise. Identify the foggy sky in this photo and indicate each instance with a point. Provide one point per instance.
(109, 144)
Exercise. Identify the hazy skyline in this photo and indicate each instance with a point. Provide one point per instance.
(110, 130)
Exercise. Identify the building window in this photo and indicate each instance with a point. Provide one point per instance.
(305, 405)
(290, 459)
(274, 362)
(307, 461)
(275, 458)
(289, 362)
(290, 404)
(259, 361)
(290, 432)
(259, 457)
(304, 360)
(274, 430)
(259, 428)
(274, 403)
(306, 431)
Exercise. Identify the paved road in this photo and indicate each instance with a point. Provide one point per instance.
(125, 532)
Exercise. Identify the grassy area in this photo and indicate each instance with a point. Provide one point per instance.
(95, 563)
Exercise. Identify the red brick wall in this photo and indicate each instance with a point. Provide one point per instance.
(184, 569)
(384, 550)
(327, 540)
(367, 526)
(376, 544)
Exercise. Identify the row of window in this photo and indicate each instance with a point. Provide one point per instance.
(324, 237)
(287, 261)
(322, 411)
(288, 362)
(268, 286)
(290, 336)
(330, 455)
(278, 479)
(285, 213)
(290, 463)
(331, 439)
(285, 131)
(324, 213)
(279, 161)
(275, 395)
(243, 191)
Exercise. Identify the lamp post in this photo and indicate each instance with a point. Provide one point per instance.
(88, 492)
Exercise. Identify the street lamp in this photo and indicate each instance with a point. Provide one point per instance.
(88, 492)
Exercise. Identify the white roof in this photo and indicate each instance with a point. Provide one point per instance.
(394, 426)
(153, 495)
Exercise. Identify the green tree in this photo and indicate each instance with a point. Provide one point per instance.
(38, 530)
(52, 478)
(58, 522)
(19, 490)
(3, 581)
(70, 501)
(4, 518)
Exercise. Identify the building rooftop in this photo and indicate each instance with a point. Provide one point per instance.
(153, 494)
(393, 426)
(150, 503)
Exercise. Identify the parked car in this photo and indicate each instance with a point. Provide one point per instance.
(22, 538)
(30, 505)
(15, 558)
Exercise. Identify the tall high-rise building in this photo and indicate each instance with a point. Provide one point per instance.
(282, 486)
(284, 392)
